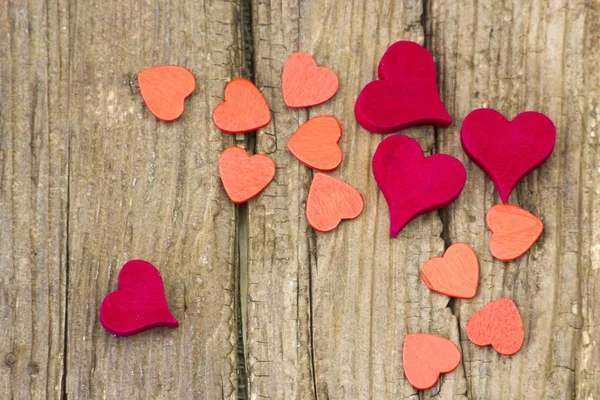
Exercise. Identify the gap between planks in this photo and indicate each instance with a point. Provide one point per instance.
(443, 213)
(242, 219)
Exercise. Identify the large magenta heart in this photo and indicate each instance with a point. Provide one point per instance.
(140, 302)
(413, 184)
(406, 93)
(507, 151)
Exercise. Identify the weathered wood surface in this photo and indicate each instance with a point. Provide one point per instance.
(363, 298)
(34, 140)
(538, 55)
(89, 179)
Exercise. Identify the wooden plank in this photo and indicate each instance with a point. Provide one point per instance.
(33, 198)
(363, 287)
(277, 277)
(367, 291)
(538, 55)
(141, 188)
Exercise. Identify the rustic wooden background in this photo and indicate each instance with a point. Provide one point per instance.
(268, 308)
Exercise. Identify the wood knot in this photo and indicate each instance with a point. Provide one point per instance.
(10, 359)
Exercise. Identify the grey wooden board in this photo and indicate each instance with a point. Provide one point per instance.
(90, 179)
(140, 188)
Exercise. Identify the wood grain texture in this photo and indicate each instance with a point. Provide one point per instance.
(324, 314)
(141, 188)
(279, 240)
(34, 141)
(540, 56)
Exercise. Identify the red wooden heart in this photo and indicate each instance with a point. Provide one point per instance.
(244, 176)
(406, 93)
(498, 324)
(456, 274)
(425, 357)
(507, 150)
(164, 89)
(139, 304)
(315, 143)
(514, 231)
(244, 108)
(330, 201)
(413, 184)
(304, 84)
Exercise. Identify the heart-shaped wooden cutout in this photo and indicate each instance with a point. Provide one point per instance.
(514, 231)
(139, 304)
(315, 143)
(507, 150)
(412, 183)
(425, 357)
(244, 109)
(330, 201)
(498, 324)
(304, 84)
(456, 274)
(164, 89)
(406, 93)
(244, 176)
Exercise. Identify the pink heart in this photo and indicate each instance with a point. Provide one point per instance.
(413, 184)
(507, 150)
(140, 302)
(406, 93)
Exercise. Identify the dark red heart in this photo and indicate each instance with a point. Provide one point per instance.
(507, 150)
(140, 302)
(413, 184)
(406, 93)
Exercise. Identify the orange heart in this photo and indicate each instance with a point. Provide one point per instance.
(425, 357)
(244, 109)
(315, 143)
(244, 176)
(498, 324)
(304, 84)
(164, 89)
(330, 201)
(514, 231)
(456, 274)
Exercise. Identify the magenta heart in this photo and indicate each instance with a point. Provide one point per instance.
(406, 93)
(140, 302)
(507, 150)
(413, 184)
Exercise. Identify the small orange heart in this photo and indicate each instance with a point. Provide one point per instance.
(514, 231)
(330, 201)
(425, 357)
(244, 176)
(456, 274)
(315, 143)
(498, 324)
(304, 84)
(164, 89)
(244, 109)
